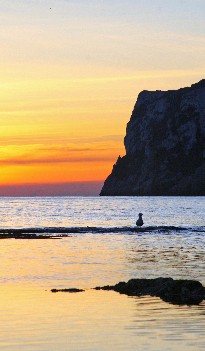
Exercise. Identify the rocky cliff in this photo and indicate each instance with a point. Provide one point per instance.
(165, 145)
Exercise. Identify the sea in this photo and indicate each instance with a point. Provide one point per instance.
(100, 246)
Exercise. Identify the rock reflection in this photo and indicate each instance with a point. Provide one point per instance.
(180, 325)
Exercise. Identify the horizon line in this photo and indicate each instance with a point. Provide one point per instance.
(75, 188)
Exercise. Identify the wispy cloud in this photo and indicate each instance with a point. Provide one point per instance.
(20, 152)
(38, 161)
(26, 141)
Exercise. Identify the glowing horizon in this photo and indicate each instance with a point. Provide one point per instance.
(70, 76)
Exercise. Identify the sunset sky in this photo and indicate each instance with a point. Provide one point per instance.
(70, 75)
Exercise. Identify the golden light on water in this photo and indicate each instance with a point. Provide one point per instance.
(35, 319)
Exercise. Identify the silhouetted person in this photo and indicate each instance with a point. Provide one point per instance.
(140, 221)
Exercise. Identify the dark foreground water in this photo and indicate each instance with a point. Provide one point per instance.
(102, 247)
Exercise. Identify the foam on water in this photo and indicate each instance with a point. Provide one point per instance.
(100, 230)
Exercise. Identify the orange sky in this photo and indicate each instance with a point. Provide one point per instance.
(70, 77)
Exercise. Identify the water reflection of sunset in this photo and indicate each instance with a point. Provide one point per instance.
(33, 319)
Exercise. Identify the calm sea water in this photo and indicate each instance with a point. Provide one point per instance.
(33, 318)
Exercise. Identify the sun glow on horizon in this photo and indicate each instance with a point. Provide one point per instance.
(70, 78)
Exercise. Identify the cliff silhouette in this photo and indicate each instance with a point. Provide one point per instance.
(165, 146)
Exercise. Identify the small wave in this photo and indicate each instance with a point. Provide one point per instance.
(99, 230)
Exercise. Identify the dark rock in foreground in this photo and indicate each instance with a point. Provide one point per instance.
(72, 290)
(165, 146)
(181, 292)
(20, 235)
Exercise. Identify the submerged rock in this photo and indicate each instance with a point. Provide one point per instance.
(19, 235)
(181, 292)
(165, 146)
(71, 290)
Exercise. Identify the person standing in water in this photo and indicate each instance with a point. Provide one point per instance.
(140, 222)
